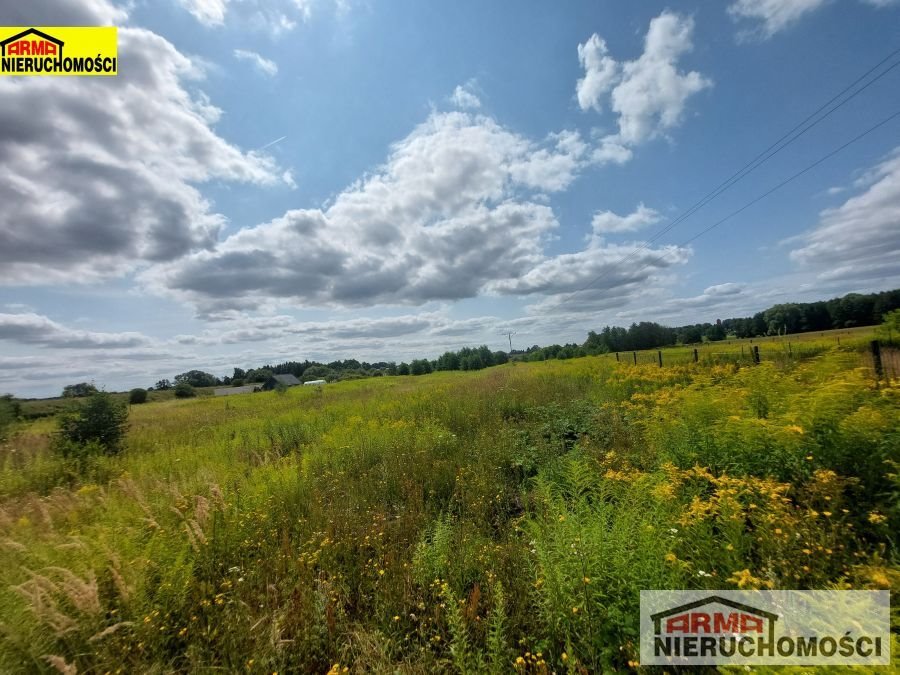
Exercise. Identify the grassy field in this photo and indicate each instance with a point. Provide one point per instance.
(497, 521)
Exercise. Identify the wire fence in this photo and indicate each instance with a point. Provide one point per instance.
(881, 360)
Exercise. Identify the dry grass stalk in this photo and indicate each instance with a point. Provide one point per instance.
(38, 593)
(130, 488)
(82, 593)
(60, 664)
(110, 630)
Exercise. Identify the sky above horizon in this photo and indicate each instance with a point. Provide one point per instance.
(322, 179)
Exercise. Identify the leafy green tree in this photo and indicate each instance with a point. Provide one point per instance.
(184, 390)
(163, 385)
(9, 412)
(79, 390)
(197, 378)
(890, 329)
(100, 423)
(137, 396)
(403, 369)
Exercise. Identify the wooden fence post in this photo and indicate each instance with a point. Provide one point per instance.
(876, 358)
(635, 357)
(696, 355)
(790, 351)
(756, 354)
(659, 354)
(617, 357)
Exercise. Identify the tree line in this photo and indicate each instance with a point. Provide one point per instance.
(851, 310)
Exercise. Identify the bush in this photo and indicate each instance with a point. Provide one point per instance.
(99, 426)
(9, 411)
(184, 390)
(136, 396)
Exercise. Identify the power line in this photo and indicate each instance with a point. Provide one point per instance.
(784, 141)
(775, 188)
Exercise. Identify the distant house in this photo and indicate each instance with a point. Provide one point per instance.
(275, 380)
(231, 391)
(306, 384)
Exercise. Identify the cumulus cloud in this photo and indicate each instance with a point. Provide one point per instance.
(652, 94)
(34, 329)
(207, 12)
(648, 94)
(263, 65)
(772, 16)
(56, 13)
(597, 270)
(601, 72)
(273, 16)
(607, 221)
(769, 17)
(860, 239)
(448, 213)
(106, 168)
(464, 97)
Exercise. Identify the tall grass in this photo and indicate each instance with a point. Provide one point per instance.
(461, 522)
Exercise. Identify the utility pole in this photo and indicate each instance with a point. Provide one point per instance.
(509, 336)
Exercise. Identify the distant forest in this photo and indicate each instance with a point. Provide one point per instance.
(848, 311)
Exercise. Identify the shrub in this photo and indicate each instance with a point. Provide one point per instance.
(136, 396)
(99, 425)
(184, 390)
(9, 411)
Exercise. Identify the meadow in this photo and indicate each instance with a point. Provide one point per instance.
(496, 521)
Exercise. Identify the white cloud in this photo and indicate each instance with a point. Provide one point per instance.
(207, 12)
(607, 221)
(263, 65)
(34, 329)
(601, 72)
(453, 213)
(107, 167)
(773, 16)
(464, 98)
(859, 240)
(56, 13)
(273, 16)
(649, 94)
(601, 269)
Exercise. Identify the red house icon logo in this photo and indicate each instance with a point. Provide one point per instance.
(31, 42)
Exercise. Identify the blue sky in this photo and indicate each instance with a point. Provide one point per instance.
(384, 180)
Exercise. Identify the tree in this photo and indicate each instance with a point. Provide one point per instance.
(9, 412)
(403, 369)
(98, 425)
(163, 385)
(197, 378)
(137, 396)
(79, 390)
(184, 390)
(890, 329)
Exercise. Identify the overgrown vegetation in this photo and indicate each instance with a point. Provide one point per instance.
(496, 521)
(137, 396)
(97, 426)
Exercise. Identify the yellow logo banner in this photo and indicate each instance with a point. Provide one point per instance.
(83, 51)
